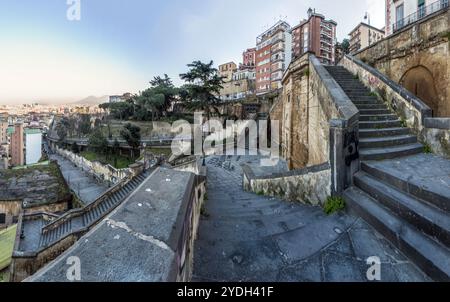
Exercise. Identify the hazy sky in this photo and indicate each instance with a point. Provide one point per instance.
(118, 45)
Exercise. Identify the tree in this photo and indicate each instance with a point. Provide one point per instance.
(121, 111)
(164, 87)
(85, 124)
(203, 86)
(75, 148)
(116, 151)
(98, 142)
(97, 123)
(132, 135)
(61, 128)
(346, 46)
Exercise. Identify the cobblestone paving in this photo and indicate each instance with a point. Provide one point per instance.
(246, 237)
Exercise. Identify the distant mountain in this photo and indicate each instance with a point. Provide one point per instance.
(93, 100)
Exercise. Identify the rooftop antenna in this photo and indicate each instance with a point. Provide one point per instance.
(367, 17)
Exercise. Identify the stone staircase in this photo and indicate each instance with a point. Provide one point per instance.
(413, 215)
(88, 216)
(381, 133)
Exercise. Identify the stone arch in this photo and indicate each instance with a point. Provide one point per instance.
(419, 81)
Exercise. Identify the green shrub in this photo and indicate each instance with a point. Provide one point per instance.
(403, 123)
(333, 205)
(427, 149)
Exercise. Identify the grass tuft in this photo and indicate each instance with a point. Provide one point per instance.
(333, 205)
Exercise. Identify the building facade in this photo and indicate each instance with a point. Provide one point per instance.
(273, 55)
(226, 71)
(241, 86)
(317, 35)
(3, 132)
(401, 13)
(248, 59)
(17, 145)
(33, 146)
(363, 36)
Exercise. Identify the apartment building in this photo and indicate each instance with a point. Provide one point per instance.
(401, 13)
(248, 59)
(3, 132)
(226, 71)
(33, 145)
(315, 34)
(17, 145)
(363, 36)
(241, 86)
(273, 55)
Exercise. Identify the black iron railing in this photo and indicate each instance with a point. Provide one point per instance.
(421, 13)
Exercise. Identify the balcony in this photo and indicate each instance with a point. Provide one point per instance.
(421, 13)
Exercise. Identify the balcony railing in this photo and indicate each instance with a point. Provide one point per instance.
(421, 13)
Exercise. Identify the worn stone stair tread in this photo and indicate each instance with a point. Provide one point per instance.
(402, 178)
(380, 124)
(391, 149)
(385, 138)
(429, 219)
(433, 258)
(390, 152)
(369, 130)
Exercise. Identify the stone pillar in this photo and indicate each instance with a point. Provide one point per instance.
(344, 154)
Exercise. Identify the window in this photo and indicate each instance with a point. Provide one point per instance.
(399, 14)
(421, 8)
(2, 218)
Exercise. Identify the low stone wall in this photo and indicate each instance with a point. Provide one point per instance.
(310, 185)
(102, 172)
(437, 134)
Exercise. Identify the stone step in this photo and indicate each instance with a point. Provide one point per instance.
(364, 98)
(425, 217)
(374, 111)
(367, 133)
(359, 94)
(387, 141)
(430, 256)
(378, 117)
(379, 124)
(439, 196)
(371, 106)
(390, 152)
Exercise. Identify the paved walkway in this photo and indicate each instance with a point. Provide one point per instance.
(87, 188)
(245, 237)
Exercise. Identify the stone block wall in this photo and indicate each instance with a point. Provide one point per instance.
(417, 57)
(310, 185)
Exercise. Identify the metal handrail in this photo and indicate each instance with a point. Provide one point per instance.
(420, 14)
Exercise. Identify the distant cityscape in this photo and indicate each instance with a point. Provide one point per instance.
(320, 161)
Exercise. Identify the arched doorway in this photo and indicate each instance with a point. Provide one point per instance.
(420, 82)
